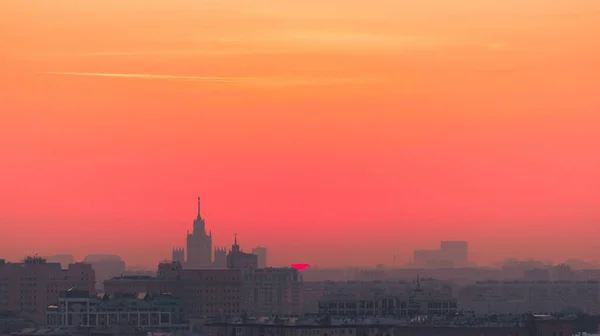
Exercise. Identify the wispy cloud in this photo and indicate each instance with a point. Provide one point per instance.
(180, 52)
(299, 41)
(233, 80)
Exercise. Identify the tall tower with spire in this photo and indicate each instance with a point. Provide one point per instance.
(199, 244)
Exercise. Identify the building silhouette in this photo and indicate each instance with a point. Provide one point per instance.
(190, 286)
(261, 253)
(178, 255)
(456, 251)
(199, 244)
(220, 258)
(28, 287)
(105, 267)
(450, 254)
(238, 259)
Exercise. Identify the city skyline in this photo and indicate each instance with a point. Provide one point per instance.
(425, 257)
(334, 133)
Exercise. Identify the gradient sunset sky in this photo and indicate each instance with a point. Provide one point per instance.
(332, 132)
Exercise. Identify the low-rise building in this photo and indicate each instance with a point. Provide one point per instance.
(77, 308)
(518, 297)
(374, 304)
(204, 292)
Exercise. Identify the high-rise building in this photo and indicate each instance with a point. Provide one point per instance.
(261, 253)
(199, 244)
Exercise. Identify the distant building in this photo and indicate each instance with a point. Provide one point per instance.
(192, 286)
(273, 291)
(63, 259)
(427, 258)
(199, 244)
(261, 253)
(28, 288)
(139, 270)
(105, 267)
(297, 327)
(238, 259)
(451, 254)
(178, 255)
(456, 252)
(76, 308)
(422, 302)
(536, 274)
(220, 258)
(562, 272)
(499, 297)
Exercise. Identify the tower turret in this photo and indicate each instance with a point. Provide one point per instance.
(178, 254)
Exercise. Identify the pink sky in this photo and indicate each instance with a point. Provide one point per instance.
(332, 133)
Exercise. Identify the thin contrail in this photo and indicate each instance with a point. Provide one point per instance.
(217, 79)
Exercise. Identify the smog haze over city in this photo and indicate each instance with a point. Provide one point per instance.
(336, 133)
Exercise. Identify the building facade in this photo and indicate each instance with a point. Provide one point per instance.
(76, 308)
(105, 267)
(220, 258)
(203, 292)
(352, 306)
(273, 291)
(178, 254)
(28, 288)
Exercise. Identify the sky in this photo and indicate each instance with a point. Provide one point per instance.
(334, 133)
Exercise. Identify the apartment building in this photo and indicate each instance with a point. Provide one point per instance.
(273, 290)
(28, 287)
(204, 292)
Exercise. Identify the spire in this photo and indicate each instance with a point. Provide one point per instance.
(198, 206)
(235, 239)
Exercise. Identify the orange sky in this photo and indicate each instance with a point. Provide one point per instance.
(334, 133)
